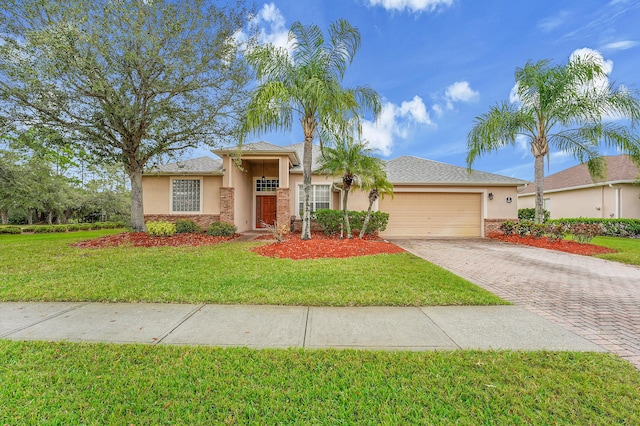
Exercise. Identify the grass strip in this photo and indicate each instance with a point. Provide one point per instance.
(70, 383)
(628, 249)
(46, 268)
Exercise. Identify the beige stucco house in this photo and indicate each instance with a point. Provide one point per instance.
(572, 193)
(264, 184)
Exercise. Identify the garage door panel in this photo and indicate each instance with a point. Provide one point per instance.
(424, 214)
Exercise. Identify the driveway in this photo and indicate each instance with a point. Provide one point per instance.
(594, 298)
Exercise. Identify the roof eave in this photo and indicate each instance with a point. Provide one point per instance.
(573, 188)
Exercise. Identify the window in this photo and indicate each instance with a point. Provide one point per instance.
(185, 195)
(319, 198)
(267, 185)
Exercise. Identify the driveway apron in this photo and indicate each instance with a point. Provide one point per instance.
(594, 298)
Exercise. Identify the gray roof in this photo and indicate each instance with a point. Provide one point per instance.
(620, 169)
(413, 171)
(202, 165)
(299, 149)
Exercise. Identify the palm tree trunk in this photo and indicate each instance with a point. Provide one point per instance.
(306, 186)
(345, 212)
(539, 179)
(365, 224)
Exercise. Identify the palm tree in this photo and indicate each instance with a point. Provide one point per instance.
(354, 162)
(307, 83)
(378, 186)
(564, 107)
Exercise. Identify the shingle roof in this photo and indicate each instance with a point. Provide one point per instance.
(620, 168)
(414, 170)
(299, 149)
(202, 165)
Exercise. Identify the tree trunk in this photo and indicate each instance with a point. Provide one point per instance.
(137, 210)
(4, 217)
(49, 217)
(367, 218)
(539, 179)
(309, 125)
(345, 212)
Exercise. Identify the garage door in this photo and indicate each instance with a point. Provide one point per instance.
(433, 214)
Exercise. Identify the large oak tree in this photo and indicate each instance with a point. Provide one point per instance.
(130, 80)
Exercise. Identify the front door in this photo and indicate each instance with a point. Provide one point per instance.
(265, 210)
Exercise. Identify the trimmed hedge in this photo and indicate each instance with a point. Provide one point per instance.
(221, 229)
(10, 230)
(331, 221)
(187, 226)
(608, 227)
(46, 229)
(161, 229)
(530, 214)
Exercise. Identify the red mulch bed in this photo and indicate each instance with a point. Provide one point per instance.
(321, 246)
(562, 245)
(142, 239)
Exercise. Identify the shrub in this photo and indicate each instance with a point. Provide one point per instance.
(187, 226)
(10, 230)
(585, 232)
(73, 227)
(523, 228)
(278, 231)
(508, 226)
(530, 214)
(161, 229)
(84, 226)
(60, 228)
(537, 230)
(331, 221)
(221, 229)
(43, 229)
(556, 231)
(609, 227)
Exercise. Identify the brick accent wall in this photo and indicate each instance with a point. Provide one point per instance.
(226, 204)
(203, 220)
(283, 214)
(492, 226)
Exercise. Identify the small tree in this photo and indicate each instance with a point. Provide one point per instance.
(129, 80)
(378, 186)
(354, 162)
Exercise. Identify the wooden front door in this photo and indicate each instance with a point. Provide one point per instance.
(265, 210)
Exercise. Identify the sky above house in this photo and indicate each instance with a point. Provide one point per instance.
(439, 64)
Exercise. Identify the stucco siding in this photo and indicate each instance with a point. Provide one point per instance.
(156, 192)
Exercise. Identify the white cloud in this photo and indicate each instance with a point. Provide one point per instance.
(412, 5)
(620, 45)
(395, 121)
(460, 91)
(270, 26)
(553, 22)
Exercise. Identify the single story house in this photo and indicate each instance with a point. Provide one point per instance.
(263, 183)
(573, 193)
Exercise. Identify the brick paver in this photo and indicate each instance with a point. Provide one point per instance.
(594, 298)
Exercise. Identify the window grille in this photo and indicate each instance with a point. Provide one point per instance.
(319, 198)
(267, 185)
(186, 195)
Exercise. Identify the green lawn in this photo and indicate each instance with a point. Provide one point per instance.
(67, 383)
(628, 249)
(44, 267)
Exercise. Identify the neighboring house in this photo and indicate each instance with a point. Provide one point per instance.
(572, 192)
(264, 184)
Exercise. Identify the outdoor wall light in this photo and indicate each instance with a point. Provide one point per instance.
(491, 196)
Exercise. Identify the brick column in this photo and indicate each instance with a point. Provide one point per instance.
(226, 205)
(283, 211)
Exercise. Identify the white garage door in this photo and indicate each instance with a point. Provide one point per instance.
(433, 214)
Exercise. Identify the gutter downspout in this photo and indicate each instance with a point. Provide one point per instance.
(617, 188)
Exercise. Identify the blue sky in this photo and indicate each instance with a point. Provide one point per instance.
(438, 64)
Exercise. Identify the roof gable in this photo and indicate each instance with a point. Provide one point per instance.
(620, 168)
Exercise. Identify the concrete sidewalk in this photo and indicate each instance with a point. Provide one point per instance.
(386, 328)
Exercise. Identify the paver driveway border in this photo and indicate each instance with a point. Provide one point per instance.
(594, 298)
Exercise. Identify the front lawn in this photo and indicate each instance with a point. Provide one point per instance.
(67, 383)
(44, 267)
(628, 249)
